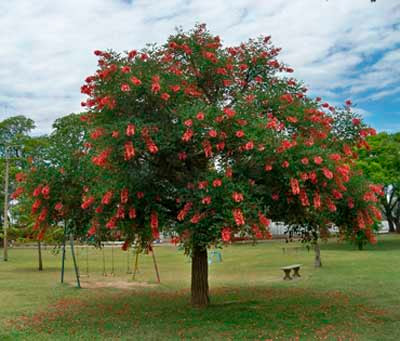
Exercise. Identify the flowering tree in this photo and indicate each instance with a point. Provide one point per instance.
(53, 182)
(206, 142)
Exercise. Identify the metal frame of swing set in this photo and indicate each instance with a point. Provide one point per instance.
(76, 268)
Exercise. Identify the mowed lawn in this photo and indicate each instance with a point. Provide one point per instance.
(355, 296)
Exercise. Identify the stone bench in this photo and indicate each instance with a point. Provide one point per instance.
(289, 268)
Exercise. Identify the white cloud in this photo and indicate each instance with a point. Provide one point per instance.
(46, 46)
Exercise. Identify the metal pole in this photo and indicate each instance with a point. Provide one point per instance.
(71, 240)
(5, 227)
(63, 253)
(155, 263)
(135, 270)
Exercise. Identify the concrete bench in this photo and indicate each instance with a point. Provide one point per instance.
(289, 268)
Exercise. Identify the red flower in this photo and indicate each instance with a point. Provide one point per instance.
(206, 200)
(120, 213)
(58, 206)
(107, 198)
(268, 167)
(92, 230)
(263, 219)
(187, 135)
(129, 151)
(151, 146)
(140, 195)
(112, 223)
(43, 214)
(212, 133)
(287, 98)
(182, 156)
(183, 212)
(249, 145)
(217, 183)
(20, 177)
(348, 103)
(275, 196)
(130, 130)
(196, 218)
(136, 81)
(125, 87)
(202, 184)
(291, 119)
(188, 123)
(46, 190)
(237, 197)
(304, 161)
(318, 160)
(331, 205)
(124, 196)
(238, 216)
(220, 146)
(285, 164)
(126, 69)
(356, 121)
(328, 174)
(304, 198)
(239, 133)
(132, 213)
(101, 159)
(165, 96)
(37, 191)
(154, 220)
(229, 112)
(87, 203)
(132, 54)
(316, 200)
(155, 86)
(18, 191)
(226, 234)
(207, 148)
(200, 116)
(175, 88)
(294, 183)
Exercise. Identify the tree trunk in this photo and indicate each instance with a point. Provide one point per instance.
(317, 262)
(200, 296)
(40, 256)
(397, 223)
(391, 225)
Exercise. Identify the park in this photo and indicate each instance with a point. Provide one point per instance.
(200, 189)
(354, 296)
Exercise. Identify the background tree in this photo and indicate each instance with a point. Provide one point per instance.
(54, 181)
(13, 137)
(381, 163)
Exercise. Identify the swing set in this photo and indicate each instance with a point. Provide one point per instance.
(131, 268)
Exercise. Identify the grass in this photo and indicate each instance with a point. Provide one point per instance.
(355, 296)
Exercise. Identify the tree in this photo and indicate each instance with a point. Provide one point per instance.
(13, 135)
(206, 142)
(53, 181)
(381, 164)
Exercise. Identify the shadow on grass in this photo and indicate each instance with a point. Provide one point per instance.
(238, 313)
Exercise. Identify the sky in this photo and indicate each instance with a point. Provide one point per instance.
(341, 49)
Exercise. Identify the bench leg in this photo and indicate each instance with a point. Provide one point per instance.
(296, 272)
(287, 275)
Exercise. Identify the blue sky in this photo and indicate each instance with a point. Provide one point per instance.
(341, 49)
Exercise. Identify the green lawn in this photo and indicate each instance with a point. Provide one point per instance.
(355, 296)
